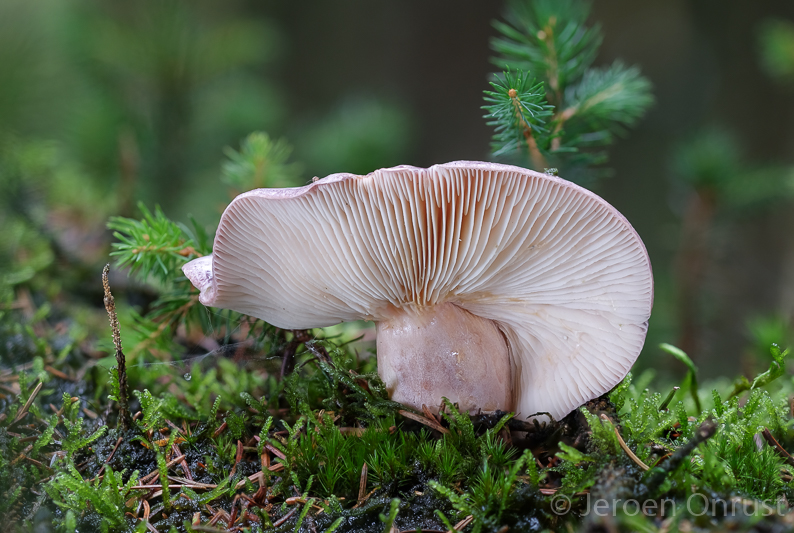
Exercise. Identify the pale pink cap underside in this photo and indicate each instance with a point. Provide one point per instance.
(199, 272)
(562, 273)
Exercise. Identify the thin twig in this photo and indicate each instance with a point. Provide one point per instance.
(23, 454)
(220, 429)
(233, 515)
(57, 373)
(463, 523)
(285, 517)
(220, 513)
(148, 477)
(258, 477)
(706, 430)
(362, 484)
(200, 486)
(625, 447)
(188, 482)
(421, 419)
(428, 414)
(275, 451)
(238, 457)
(116, 447)
(185, 469)
(208, 529)
(300, 336)
(778, 448)
(38, 463)
(110, 306)
(370, 493)
(24, 410)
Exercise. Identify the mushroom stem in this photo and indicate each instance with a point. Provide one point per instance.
(426, 353)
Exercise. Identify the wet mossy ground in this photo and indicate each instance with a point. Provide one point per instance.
(264, 451)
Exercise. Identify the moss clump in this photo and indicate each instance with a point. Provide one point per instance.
(323, 448)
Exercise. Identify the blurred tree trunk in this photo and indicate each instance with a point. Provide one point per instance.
(691, 261)
(786, 303)
(171, 136)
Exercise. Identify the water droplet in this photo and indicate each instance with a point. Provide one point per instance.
(565, 337)
(187, 376)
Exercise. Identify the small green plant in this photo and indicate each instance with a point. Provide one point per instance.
(75, 438)
(388, 520)
(489, 497)
(691, 382)
(261, 162)
(106, 496)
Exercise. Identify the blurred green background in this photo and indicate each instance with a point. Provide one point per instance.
(103, 104)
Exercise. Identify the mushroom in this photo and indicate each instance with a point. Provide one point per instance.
(491, 285)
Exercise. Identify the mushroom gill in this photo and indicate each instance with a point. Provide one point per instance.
(490, 284)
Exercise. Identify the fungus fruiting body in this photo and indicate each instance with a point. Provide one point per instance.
(491, 285)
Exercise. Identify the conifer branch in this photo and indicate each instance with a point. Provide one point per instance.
(518, 110)
(155, 245)
(548, 38)
(534, 152)
(261, 162)
(155, 248)
(584, 107)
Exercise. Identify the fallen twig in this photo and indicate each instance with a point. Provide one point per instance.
(220, 429)
(208, 529)
(285, 517)
(179, 486)
(155, 473)
(116, 447)
(778, 448)
(423, 420)
(625, 446)
(463, 523)
(706, 430)
(183, 463)
(365, 498)
(259, 477)
(22, 412)
(38, 463)
(191, 483)
(429, 415)
(362, 484)
(238, 457)
(275, 451)
(57, 373)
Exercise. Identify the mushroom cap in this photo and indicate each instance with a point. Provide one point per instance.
(563, 274)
